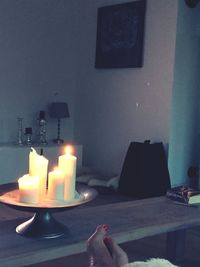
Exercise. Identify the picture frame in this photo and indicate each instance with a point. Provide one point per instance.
(120, 35)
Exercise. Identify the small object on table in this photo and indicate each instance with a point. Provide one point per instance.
(19, 134)
(184, 194)
(28, 134)
(42, 128)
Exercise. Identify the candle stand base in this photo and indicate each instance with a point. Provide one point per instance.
(42, 225)
(58, 141)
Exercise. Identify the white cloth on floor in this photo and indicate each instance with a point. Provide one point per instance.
(151, 263)
(113, 182)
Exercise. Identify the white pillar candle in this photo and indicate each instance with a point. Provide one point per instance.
(67, 164)
(38, 166)
(32, 159)
(28, 189)
(56, 185)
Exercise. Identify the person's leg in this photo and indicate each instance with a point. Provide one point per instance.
(103, 251)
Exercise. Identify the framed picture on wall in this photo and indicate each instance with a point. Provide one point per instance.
(120, 31)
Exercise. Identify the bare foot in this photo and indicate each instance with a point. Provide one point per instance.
(103, 251)
(99, 255)
(119, 256)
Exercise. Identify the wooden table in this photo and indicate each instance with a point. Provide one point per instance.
(128, 221)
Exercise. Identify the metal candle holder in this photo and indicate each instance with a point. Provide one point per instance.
(19, 133)
(43, 224)
(42, 128)
(28, 134)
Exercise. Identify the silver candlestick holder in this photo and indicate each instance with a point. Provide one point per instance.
(19, 133)
(28, 134)
(42, 128)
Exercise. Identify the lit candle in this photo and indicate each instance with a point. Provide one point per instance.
(38, 166)
(32, 159)
(67, 164)
(29, 189)
(56, 185)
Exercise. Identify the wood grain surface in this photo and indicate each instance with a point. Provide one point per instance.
(128, 221)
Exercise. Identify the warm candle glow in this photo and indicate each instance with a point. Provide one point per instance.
(55, 168)
(27, 182)
(68, 150)
(28, 189)
(38, 166)
(67, 164)
(57, 171)
(56, 184)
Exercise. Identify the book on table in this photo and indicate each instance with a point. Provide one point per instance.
(184, 194)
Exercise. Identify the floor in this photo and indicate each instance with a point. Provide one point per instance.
(141, 250)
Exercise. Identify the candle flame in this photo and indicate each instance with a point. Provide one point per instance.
(68, 150)
(86, 195)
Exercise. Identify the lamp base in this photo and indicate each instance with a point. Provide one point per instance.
(58, 141)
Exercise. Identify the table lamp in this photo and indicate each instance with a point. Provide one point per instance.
(58, 110)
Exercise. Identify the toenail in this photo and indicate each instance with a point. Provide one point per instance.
(105, 226)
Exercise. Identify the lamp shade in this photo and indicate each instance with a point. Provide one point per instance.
(59, 110)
